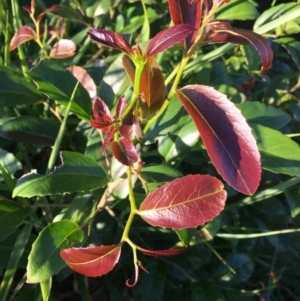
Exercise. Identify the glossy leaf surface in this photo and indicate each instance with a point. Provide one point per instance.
(58, 83)
(92, 261)
(63, 49)
(44, 260)
(23, 35)
(77, 173)
(226, 136)
(124, 151)
(186, 12)
(111, 39)
(167, 38)
(186, 202)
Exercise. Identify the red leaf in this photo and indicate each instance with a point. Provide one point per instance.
(167, 38)
(92, 261)
(111, 39)
(186, 202)
(170, 252)
(62, 49)
(101, 111)
(186, 12)
(226, 135)
(47, 10)
(85, 79)
(120, 106)
(124, 151)
(130, 128)
(23, 34)
(222, 32)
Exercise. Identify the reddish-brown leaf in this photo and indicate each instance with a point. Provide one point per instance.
(92, 261)
(170, 252)
(186, 202)
(85, 79)
(226, 135)
(130, 128)
(23, 34)
(111, 39)
(167, 38)
(120, 106)
(222, 32)
(129, 67)
(186, 12)
(47, 10)
(62, 49)
(124, 151)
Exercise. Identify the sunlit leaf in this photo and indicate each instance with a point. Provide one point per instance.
(44, 260)
(167, 38)
(62, 49)
(111, 39)
(124, 151)
(226, 136)
(186, 12)
(77, 173)
(23, 35)
(130, 128)
(186, 202)
(92, 261)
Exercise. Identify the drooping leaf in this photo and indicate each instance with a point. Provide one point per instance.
(111, 39)
(85, 79)
(279, 153)
(186, 202)
(222, 32)
(77, 173)
(92, 261)
(30, 129)
(47, 10)
(44, 260)
(124, 151)
(15, 90)
(186, 12)
(62, 49)
(59, 84)
(226, 136)
(22, 35)
(167, 38)
(169, 252)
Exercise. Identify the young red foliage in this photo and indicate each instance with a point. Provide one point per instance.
(92, 261)
(186, 202)
(124, 151)
(64, 48)
(226, 136)
(170, 252)
(23, 34)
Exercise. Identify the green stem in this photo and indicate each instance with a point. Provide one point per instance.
(60, 135)
(6, 42)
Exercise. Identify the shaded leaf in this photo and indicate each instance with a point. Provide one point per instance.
(9, 162)
(92, 261)
(293, 48)
(186, 12)
(62, 49)
(77, 173)
(186, 202)
(23, 35)
(47, 10)
(44, 260)
(226, 136)
(111, 39)
(130, 128)
(124, 151)
(31, 130)
(167, 38)
(15, 90)
(169, 252)
(59, 84)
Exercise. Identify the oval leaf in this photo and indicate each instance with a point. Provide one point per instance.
(167, 38)
(23, 34)
(93, 261)
(226, 135)
(77, 173)
(124, 151)
(62, 49)
(186, 202)
(44, 260)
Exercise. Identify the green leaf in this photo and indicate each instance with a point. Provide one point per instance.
(58, 83)
(77, 173)
(46, 288)
(293, 48)
(237, 10)
(280, 154)
(259, 113)
(9, 162)
(15, 90)
(30, 129)
(159, 173)
(69, 13)
(10, 221)
(292, 197)
(44, 260)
